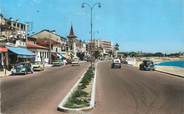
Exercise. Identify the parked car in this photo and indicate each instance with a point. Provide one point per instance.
(57, 63)
(147, 65)
(69, 61)
(124, 61)
(22, 68)
(38, 66)
(75, 62)
(116, 63)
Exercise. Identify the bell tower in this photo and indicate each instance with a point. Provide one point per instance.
(72, 41)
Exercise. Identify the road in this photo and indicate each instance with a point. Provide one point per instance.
(119, 91)
(130, 91)
(39, 93)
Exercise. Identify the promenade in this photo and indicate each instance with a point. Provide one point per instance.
(164, 69)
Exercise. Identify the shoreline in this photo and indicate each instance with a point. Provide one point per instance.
(173, 70)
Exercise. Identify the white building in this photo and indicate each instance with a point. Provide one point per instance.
(41, 53)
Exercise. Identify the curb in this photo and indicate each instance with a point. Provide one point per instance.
(180, 76)
(93, 94)
(170, 73)
(92, 102)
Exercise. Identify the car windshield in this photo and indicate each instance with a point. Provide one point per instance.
(116, 61)
(75, 59)
(37, 63)
(57, 61)
(148, 62)
(19, 66)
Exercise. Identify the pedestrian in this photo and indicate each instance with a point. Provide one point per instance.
(64, 61)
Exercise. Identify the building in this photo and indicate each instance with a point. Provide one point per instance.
(54, 42)
(81, 46)
(41, 53)
(72, 39)
(13, 37)
(75, 45)
(3, 56)
(13, 33)
(105, 47)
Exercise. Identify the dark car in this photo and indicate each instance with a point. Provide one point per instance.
(124, 62)
(116, 63)
(147, 65)
(22, 68)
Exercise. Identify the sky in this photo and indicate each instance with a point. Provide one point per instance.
(136, 25)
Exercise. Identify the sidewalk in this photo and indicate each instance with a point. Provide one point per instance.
(8, 73)
(48, 65)
(177, 71)
(3, 74)
(171, 70)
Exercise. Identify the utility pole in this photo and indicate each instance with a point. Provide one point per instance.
(91, 22)
(50, 56)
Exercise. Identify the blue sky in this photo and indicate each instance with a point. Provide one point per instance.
(137, 25)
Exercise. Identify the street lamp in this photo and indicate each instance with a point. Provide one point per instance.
(91, 6)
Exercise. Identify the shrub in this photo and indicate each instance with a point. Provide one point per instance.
(80, 98)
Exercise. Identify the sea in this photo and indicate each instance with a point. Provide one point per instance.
(179, 63)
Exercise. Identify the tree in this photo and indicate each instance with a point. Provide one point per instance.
(159, 54)
(80, 55)
(71, 55)
(96, 54)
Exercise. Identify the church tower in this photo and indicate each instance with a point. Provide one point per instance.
(72, 41)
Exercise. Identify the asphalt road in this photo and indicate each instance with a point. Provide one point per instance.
(130, 91)
(39, 93)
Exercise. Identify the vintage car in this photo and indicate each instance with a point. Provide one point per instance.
(22, 68)
(38, 66)
(57, 63)
(75, 62)
(116, 63)
(147, 65)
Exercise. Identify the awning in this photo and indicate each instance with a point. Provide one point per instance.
(21, 52)
(3, 49)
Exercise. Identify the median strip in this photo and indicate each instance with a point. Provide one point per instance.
(82, 95)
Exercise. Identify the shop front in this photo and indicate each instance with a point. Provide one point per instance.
(17, 55)
(3, 58)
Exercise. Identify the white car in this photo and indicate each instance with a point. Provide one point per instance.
(38, 66)
(75, 62)
(116, 63)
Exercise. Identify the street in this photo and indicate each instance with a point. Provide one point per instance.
(118, 91)
(130, 91)
(40, 93)
(60, 57)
